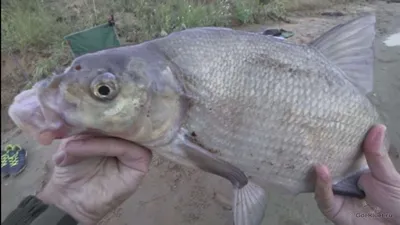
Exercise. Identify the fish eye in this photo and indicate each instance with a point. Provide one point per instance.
(104, 90)
(105, 87)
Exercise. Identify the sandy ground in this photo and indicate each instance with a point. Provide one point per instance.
(173, 195)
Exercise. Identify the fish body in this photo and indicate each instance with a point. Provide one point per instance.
(247, 107)
(278, 109)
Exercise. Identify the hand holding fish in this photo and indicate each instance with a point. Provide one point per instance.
(381, 185)
(94, 175)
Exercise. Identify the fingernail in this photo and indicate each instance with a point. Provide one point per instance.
(45, 138)
(380, 136)
(58, 158)
(323, 172)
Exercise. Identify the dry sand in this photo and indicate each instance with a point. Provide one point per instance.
(173, 195)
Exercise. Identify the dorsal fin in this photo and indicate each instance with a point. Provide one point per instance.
(350, 47)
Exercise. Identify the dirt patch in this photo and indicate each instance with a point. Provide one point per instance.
(14, 76)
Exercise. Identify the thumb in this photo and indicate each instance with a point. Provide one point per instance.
(128, 153)
(62, 158)
(379, 162)
(323, 193)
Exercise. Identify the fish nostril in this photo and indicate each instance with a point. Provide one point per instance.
(55, 81)
(51, 82)
(101, 71)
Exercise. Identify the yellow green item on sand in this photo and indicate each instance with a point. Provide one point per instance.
(13, 160)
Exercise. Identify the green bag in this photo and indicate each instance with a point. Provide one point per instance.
(93, 39)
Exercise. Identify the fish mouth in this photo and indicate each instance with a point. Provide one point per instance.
(40, 114)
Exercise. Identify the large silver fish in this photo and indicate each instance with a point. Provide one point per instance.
(250, 108)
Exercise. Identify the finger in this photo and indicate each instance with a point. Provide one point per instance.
(138, 159)
(130, 154)
(87, 146)
(61, 159)
(379, 162)
(323, 192)
(372, 187)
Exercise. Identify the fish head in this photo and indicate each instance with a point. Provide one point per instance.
(95, 94)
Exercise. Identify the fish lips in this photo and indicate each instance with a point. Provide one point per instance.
(40, 115)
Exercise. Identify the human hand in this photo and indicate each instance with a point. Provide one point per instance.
(381, 186)
(94, 175)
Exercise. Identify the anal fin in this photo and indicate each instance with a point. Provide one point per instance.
(250, 200)
(249, 205)
(348, 186)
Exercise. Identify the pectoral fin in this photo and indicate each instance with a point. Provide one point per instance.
(249, 199)
(209, 163)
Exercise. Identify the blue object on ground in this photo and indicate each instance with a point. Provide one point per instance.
(279, 33)
(13, 160)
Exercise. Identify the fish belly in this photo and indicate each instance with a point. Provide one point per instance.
(276, 147)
